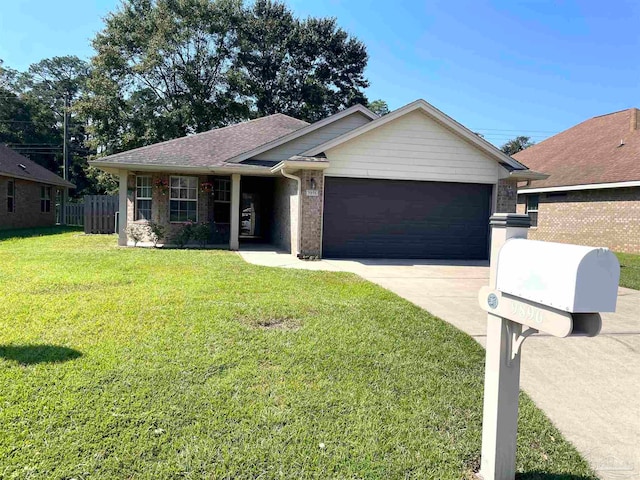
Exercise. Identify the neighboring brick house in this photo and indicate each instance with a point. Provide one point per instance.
(411, 184)
(27, 192)
(592, 195)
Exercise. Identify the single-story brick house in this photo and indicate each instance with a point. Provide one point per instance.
(592, 195)
(411, 184)
(28, 192)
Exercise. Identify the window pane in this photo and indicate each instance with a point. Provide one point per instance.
(534, 218)
(532, 202)
(143, 186)
(143, 210)
(11, 192)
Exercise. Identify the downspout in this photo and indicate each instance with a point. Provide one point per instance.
(299, 234)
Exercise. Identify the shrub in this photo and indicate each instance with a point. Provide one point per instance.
(201, 233)
(136, 232)
(156, 232)
(184, 235)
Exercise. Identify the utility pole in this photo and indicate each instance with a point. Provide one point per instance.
(65, 160)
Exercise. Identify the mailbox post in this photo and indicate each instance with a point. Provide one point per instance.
(533, 287)
(502, 379)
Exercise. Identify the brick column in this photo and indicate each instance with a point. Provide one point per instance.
(507, 195)
(310, 223)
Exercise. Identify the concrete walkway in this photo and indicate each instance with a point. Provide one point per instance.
(589, 387)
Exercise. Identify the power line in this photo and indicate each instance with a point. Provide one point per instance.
(507, 130)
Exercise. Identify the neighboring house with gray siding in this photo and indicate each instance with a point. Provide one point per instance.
(412, 184)
(27, 192)
(592, 195)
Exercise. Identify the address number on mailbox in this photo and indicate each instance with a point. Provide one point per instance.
(525, 312)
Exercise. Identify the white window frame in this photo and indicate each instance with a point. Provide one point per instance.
(149, 190)
(45, 196)
(529, 210)
(11, 182)
(178, 198)
(217, 183)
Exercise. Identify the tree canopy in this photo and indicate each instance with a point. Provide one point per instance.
(379, 107)
(517, 144)
(168, 68)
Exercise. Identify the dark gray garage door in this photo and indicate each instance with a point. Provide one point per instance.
(366, 218)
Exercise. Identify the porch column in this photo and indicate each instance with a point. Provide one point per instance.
(234, 243)
(122, 208)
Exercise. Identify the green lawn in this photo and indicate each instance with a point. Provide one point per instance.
(157, 364)
(629, 270)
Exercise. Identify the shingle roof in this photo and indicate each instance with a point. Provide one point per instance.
(212, 148)
(590, 152)
(10, 166)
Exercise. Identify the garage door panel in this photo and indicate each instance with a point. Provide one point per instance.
(405, 219)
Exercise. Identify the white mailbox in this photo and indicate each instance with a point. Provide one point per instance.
(571, 278)
(534, 287)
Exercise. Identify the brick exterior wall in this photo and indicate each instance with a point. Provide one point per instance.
(600, 218)
(160, 204)
(506, 197)
(311, 215)
(27, 212)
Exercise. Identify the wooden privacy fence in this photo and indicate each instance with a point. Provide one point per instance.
(100, 213)
(74, 214)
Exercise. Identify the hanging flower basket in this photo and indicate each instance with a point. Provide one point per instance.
(161, 185)
(206, 187)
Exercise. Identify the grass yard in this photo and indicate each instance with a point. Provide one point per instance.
(152, 364)
(629, 270)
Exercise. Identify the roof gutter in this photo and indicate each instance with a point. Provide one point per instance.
(527, 175)
(61, 183)
(587, 186)
(114, 167)
(300, 165)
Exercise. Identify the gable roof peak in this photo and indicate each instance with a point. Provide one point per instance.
(437, 115)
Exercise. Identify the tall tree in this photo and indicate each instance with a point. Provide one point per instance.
(305, 68)
(25, 125)
(32, 109)
(52, 86)
(161, 71)
(167, 68)
(517, 144)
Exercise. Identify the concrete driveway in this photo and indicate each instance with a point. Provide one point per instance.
(589, 387)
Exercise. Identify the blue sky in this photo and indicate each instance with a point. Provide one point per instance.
(502, 68)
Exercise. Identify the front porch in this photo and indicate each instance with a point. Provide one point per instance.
(237, 209)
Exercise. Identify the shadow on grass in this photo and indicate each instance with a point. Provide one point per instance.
(33, 354)
(36, 232)
(536, 475)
